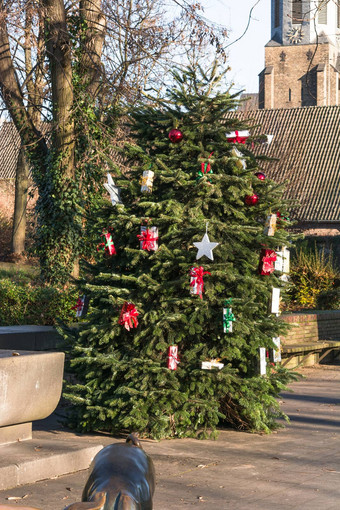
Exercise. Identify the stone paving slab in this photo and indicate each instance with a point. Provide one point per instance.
(29, 461)
(295, 468)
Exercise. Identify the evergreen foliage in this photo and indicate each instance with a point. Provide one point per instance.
(313, 273)
(123, 382)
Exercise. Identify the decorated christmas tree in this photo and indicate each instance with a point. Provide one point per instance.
(182, 299)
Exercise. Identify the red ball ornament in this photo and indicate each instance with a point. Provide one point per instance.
(261, 176)
(175, 136)
(251, 199)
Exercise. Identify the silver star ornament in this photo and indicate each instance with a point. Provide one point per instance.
(113, 190)
(205, 247)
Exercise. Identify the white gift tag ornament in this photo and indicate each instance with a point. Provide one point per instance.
(263, 361)
(213, 363)
(147, 181)
(277, 351)
(270, 225)
(275, 306)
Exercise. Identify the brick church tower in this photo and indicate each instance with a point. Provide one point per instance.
(302, 59)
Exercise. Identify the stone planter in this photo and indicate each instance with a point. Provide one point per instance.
(30, 389)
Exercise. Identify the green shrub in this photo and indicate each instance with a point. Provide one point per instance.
(13, 302)
(27, 304)
(312, 273)
(330, 299)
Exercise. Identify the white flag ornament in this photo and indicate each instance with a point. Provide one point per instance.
(275, 305)
(205, 247)
(113, 190)
(263, 361)
(277, 351)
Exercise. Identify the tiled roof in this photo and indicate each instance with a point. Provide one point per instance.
(9, 150)
(307, 143)
(10, 145)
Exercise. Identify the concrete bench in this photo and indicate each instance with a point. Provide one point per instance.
(30, 389)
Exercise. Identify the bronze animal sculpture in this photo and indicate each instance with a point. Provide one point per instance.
(122, 477)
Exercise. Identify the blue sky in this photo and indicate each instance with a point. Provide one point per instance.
(246, 56)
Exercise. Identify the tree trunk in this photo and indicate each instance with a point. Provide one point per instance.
(59, 55)
(59, 206)
(92, 71)
(19, 221)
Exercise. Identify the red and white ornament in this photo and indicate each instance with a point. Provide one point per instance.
(196, 280)
(173, 357)
(81, 306)
(175, 136)
(267, 260)
(107, 245)
(148, 238)
(238, 136)
(128, 316)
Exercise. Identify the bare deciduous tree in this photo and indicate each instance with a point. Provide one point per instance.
(64, 69)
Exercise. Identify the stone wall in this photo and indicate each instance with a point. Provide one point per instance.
(312, 326)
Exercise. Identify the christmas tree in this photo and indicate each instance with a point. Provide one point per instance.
(180, 308)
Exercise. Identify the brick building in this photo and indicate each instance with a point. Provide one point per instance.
(302, 59)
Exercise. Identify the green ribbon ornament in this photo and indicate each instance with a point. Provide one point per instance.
(228, 316)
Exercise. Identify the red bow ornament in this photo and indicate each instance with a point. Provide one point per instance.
(78, 306)
(128, 316)
(173, 357)
(148, 238)
(267, 261)
(238, 136)
(196, 281)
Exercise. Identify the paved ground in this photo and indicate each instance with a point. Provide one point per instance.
(295, 468)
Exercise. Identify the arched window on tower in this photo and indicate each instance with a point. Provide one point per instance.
(322, 8)
(276, 13)
(296, 11)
